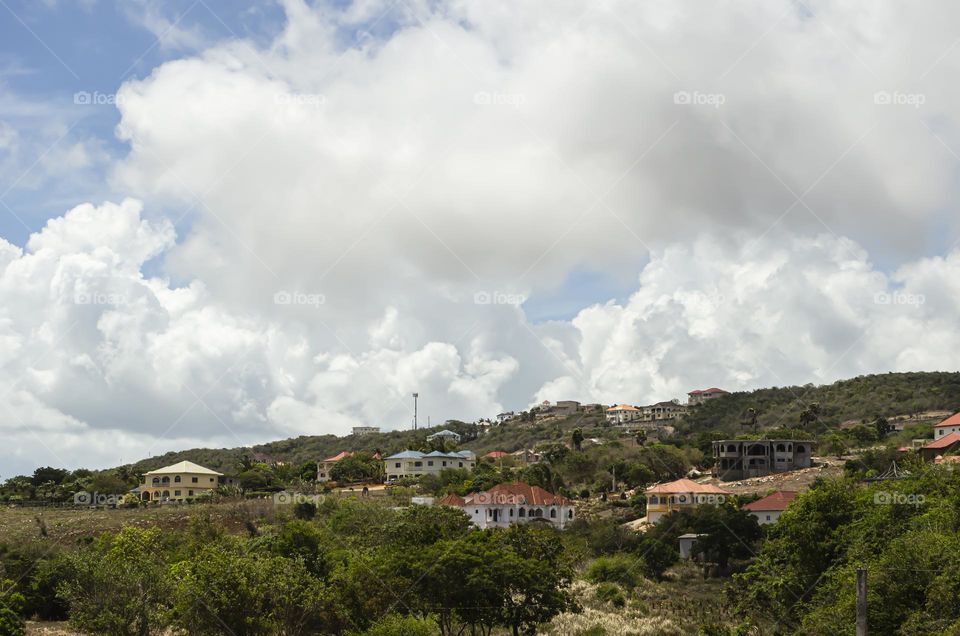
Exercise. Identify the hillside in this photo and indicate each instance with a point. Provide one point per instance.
(861, 398)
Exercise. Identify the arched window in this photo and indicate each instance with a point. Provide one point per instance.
(538, 512)
(570, 514)
(800, 448)
(176, 479)
(731, 448)
(781, 448)
(166, 493)
(165, 480)
(523, 513)
(156, 480)
(553, 513)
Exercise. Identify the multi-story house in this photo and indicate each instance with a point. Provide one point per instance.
(741, 459)
(623, 414)
(699, 396)
(414, 464)
(506, 504)
(947, 426)
(670, 410)
(681, 494)
(445, 435)
(360, 431)
(178, 482)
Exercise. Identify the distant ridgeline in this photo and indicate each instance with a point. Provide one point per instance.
(864, 397)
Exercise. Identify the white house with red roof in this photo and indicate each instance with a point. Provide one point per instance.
(699, 396)
(944, 444)
(768, 509)
(681, 494)
(506, 504)
(947, 426)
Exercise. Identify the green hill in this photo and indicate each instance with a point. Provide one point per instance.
(863, 398)
(860, 398)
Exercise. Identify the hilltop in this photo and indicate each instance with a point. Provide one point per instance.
(863, 398)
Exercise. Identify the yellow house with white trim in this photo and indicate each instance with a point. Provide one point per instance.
(178, 482)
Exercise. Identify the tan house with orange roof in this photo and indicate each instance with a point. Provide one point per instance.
(681, 494)
(623, 413)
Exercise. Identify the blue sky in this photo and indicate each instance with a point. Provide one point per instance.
(51, 51)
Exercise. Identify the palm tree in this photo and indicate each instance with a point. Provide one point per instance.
(577, 438)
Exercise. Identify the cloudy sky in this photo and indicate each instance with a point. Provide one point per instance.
(224, 222)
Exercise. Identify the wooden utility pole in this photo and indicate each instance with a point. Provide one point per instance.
(861, 602)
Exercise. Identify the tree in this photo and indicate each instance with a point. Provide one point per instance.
(882, 427)
(397, 625)
(119, 585)
(357, 467)
(752, 417)
(12, 604)
(49, 474)
(577, 439)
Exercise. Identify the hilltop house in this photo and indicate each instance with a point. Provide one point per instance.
(768, 509)
(623, 414)
(178, 482)
(947, 426)
(681, 494)
(504, 417)
(506, 504)
(445, 435)
(414, 464)
(698, 396)
(741, 459)
(360, 431)
(669, 410)
(325, 466)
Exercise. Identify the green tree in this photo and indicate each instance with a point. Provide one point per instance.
(357, 467)
(577, 439)
(119, 585)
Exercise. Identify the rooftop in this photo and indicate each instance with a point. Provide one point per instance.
(685, 486)
(183, 467)
(622, 407)
(517, 493)
(774, 501)
(953, 420)
(945, 441)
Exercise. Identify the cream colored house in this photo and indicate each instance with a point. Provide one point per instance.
(178, 482)
(507, 504)
(679, 495)
(623, 413)
(414, 464)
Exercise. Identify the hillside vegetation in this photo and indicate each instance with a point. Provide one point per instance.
(862, 398)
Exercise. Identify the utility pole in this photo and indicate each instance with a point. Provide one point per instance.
(861, 602)
(415, 396)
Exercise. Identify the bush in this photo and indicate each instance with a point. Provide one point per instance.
(619, 568)
(611, 593)
(10, 623)
(396, 625)
(305, 510)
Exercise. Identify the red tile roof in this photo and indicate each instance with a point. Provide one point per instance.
(451, 500)
(496, 454)
(775, 501)
(953, 420)
(338, 456)
(685, 486)
(517, 493)
(945, 441)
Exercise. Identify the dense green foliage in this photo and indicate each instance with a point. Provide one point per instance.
(864, 398)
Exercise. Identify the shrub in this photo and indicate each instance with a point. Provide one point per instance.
(619, 568)
(396, 625)
(306, 510)
(611, 593)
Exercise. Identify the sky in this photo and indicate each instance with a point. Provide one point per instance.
(228, 222)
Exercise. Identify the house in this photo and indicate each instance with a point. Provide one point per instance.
(947, 426)
(526, 456)
(504, 417)
(565, 407)
(178, 482)
(623, 414)
(495, 455)
(269, 460)
(686, 542)
(445, 435)
(949, 443)
(768, 509)
(324, 467)
(663, 411)
(741, 459)
(506, 504)
(681, 494)
(412, 464)
(700, 396)
(360, 431)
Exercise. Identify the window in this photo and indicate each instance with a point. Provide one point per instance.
(553, 513)
(166, 493)
(156, 480)
(461, 464)
(190, 492)
(195, 480)
(511, 512)
(781, 448)
(418, 464)
(476, 512)
(768, 517)
(569, 514)
(522, 513)
(398, 464)
(176, 479)
(430, 463)
(731, 448)
(176, 493)
(444, 463)
(165, 480)
(653, 499)
(800, 448)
